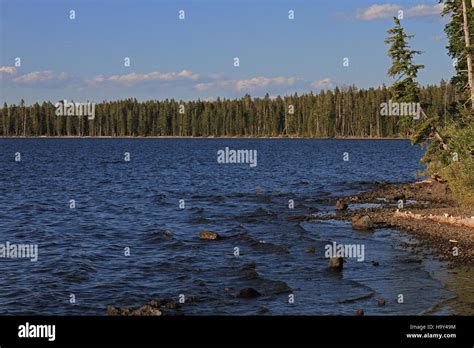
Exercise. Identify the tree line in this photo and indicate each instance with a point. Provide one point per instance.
(341, 112)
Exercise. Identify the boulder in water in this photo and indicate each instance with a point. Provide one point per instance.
(363, 223)
(336, 263)
(209, 235)
(248, 293)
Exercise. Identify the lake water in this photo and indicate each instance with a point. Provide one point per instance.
(129, 204)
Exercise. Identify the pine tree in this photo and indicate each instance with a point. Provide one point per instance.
(405, 88)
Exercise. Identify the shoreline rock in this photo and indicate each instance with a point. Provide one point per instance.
(430, 214)
(340, 205)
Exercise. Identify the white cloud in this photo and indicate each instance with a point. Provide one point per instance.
(321, 83)
(382, 11)
(424, 11)
(186, 74)
(263, 82)
(211, 85)
(45, 79)
(97, 79)
(182, 79)
(7, 70)
(251, 84)
(136, 78)
(377, 11)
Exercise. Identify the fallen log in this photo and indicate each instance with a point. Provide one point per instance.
(443, 219)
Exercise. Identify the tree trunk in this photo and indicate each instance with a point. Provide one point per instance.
(8, 121)
(24, 122)
(467, 41)
(441, 140)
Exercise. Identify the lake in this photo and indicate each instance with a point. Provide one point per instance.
(98, 209)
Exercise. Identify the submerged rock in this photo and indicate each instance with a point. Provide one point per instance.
(336, 263)
(381, 302)
(310, 250)
(301, 218)
(263, 212)
(151, 308)
(209, 235)
(363, 223)
(168, 303)
(249, 272)
(146, 310)
(340, 205)
(359, 312)
(248, 293)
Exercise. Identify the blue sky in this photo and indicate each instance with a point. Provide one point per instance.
(83, 59)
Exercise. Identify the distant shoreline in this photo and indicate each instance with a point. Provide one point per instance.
(191, 137)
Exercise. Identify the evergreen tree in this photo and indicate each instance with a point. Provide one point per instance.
(403, 69)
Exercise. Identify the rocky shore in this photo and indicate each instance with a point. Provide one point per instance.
(425, 209)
